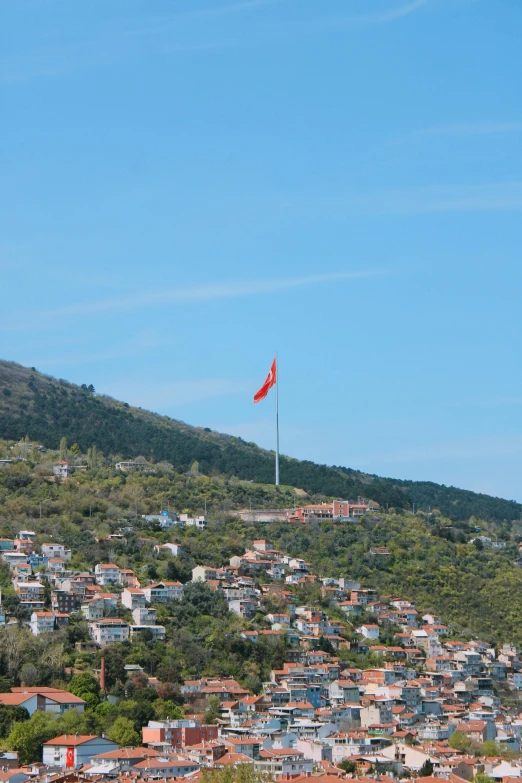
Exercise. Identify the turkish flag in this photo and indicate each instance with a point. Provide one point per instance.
(69, 757)
(271, 379)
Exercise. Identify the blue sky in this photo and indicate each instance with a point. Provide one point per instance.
(188, 186)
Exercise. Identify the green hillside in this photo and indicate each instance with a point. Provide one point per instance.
(47, 409)
(432, 562)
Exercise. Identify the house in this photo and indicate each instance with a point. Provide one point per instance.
(369, 631)
(168, 734)
(107, 574)
(165, 520)
(283, 761)
(133, 598)
(109, 630)
(158, 631)
(188, 521)
(42, 698)
(30, 591)
(93, 609)
(62, 469)
(165, 768)
(144, 616)
(56, 550)
(204, 574)
(25, 545)
(128, 467)
(170, 549)
(70, 751)
(128, 578)
(162, 592)
(42, 622)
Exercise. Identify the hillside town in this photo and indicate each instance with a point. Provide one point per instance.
(413, 701)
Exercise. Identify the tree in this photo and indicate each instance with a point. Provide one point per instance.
(84, 683)
(349, 766)
(426, 771)
(10, 714)
(212, 712)
(243, 773)
(27, 738)
(167, 709)
(491, 748)
(123, 732)
(63, 448)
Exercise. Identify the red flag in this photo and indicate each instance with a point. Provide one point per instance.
(271, 379)
(69, 757)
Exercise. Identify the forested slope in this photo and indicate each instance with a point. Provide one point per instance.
(47, 409)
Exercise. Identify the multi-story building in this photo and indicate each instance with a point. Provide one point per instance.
(42, 622)
(107, 574)
(168, 734)
(162, 592)
(109, 630)
(133, 598)
(29, 591)
(144, 616)
(62, 469)
(56, 550)
(158, 631)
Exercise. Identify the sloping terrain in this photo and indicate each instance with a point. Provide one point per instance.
(47, 409)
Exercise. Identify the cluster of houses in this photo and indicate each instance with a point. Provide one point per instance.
(390, 720)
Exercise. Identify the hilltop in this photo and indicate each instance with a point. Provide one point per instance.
(47, 409)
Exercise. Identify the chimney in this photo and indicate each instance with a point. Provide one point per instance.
(102, 675)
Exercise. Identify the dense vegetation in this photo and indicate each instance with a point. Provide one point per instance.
(430, 560)
(47, 410)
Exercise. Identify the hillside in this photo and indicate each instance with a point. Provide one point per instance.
(478, 590)
(47, 409)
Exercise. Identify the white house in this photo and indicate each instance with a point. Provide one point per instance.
(189, 521)
(62, 469)
(42, 622)
(56, 550)
(107, 574)
(162, 592)
(157, 631)
(109, 630)
(73, 750)
(133, 598)
(144, 616)
(172, 549)
(93, 609)
(44, 699)
(204, 573)
(369, 631)
(166, 519)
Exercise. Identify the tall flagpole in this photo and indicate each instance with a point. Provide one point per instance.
(277, 422)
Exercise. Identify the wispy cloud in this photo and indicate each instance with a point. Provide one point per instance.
(232, 290)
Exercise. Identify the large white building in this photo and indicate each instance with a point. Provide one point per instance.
(42, 622)
(161, 592)
(107, 574)
(109, 630)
